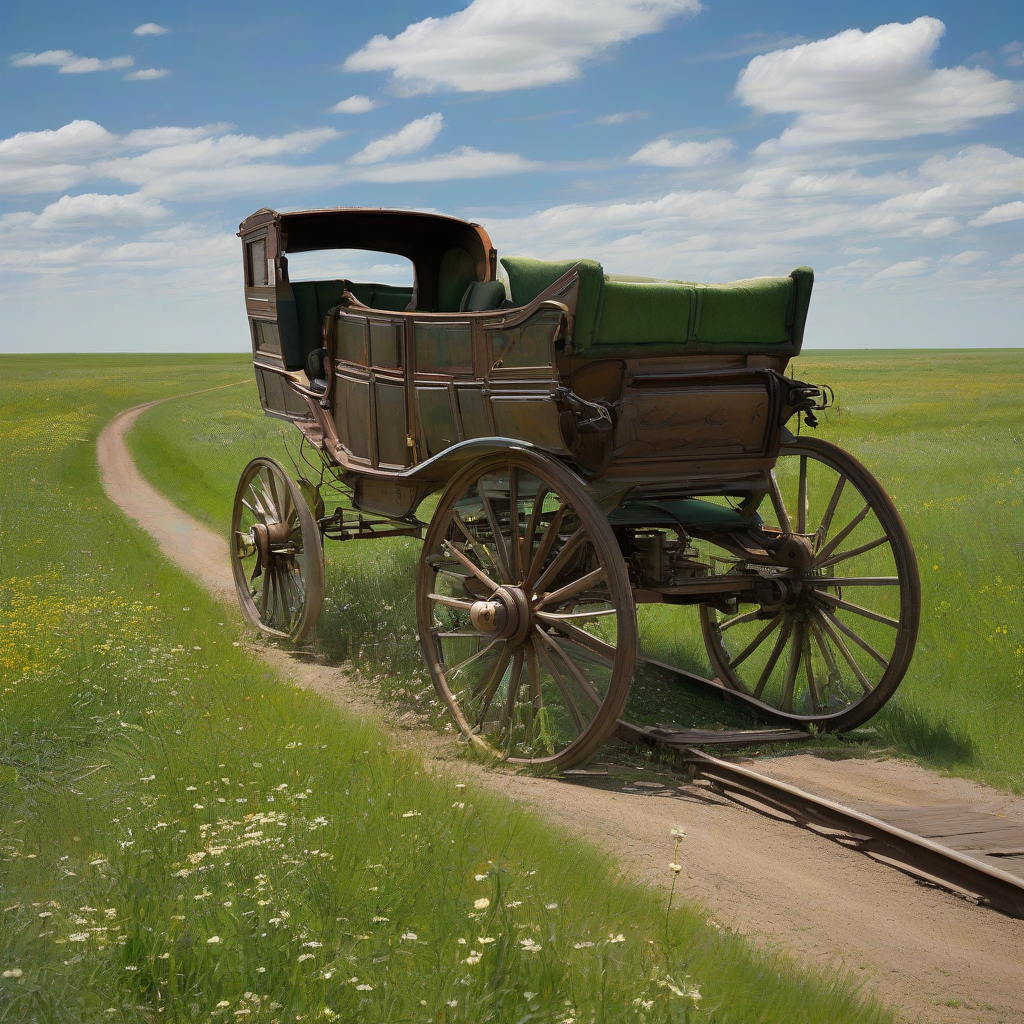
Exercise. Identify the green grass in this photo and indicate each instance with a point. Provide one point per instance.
(185, 837)
(943, 431)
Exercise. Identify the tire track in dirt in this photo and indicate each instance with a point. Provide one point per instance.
(929, 954)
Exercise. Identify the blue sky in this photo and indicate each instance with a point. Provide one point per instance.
(880, 143)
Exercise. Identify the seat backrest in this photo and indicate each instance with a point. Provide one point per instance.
(455, 274)
(482, 295)
(528, 278)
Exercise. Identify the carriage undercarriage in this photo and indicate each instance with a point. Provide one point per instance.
(539, 546)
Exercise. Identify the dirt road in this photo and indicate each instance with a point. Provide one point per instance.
(930, 954)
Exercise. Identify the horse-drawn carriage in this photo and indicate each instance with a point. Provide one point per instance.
(569, 445)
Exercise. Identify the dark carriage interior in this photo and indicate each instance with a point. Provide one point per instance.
(453, 267)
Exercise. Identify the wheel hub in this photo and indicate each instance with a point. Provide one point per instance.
(261, 537)
(506, 614)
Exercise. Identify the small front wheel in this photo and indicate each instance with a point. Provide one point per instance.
(276, 552)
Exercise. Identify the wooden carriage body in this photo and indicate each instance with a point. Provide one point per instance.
(409, 381)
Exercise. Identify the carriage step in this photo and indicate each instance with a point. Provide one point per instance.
(667, 736)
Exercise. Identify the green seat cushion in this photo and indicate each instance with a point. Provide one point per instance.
(528, 278)
(762, 315)
(482, 295)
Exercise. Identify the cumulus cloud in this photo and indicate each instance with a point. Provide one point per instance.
(464, 162)
(495, 45)
(416, 135)
(354, 105)
(1000, 214)
(872, 86)
(68, 63)
(663, 153)
(146, 74)
(92, 209)
(151, 28)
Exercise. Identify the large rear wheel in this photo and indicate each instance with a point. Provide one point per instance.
(835, 649)
(276, 552)
(525, 612)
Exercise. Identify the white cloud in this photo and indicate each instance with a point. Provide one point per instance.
(464, 162)
(70, 64)
(146, 74)
(906, 268)
(495, 45)
(224, 166)
(622, 117)
(416, 135)
(663, 153)
(93, 209)
(872, 85)
(151, 28)
(1000, 214)
(965, 258)
(51, 160)
(354, 105)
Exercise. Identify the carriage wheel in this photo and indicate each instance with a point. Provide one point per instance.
(276, 553)
(525, 612)
(835, 648)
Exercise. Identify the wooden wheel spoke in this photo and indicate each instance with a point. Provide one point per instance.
(533, 675)
(826, 520)
(514, 681)
(513, 524)
(852, 553)
(833, 668)
(531, 527)
(795, 652)
(256, 515)
(738, 619)
(483, 552)
(777, 650)
(801, 497)
(581, 637)
(270, 490)
(557, 564)
(756, 642)
(444, 634)
(847, 656)
(571, 616)
(570, 703)
(838, 602)
(491, 684)
(451, 673)
(778, 504)
(812, 689)
(451, 602)
(486, 580)
(500, 548)
(827, 582)
(858, 640)
(844, 533)
(574, 670)
(572, 589)
(547, 538)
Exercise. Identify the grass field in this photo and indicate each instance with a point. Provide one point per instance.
(184, 837)
(944, 432)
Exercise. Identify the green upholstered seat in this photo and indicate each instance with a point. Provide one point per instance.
(456, 273)
(762, 315)
(481, 296)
